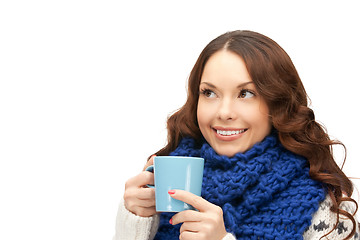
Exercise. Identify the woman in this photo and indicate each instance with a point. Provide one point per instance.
(269, 170)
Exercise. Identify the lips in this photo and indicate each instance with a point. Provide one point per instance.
(229, 134)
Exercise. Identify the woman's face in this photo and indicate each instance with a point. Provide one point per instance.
(231, 115)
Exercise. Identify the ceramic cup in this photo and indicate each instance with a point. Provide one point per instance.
(174, 172)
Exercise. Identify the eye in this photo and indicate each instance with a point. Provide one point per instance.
(245, 93)
(208, 93)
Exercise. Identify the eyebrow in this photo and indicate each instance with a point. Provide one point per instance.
(239, 86)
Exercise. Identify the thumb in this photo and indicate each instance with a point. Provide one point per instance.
(149, 162)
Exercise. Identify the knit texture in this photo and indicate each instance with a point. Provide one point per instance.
(265, 193)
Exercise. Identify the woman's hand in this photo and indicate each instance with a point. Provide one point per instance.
(138, 199)
(207, 224)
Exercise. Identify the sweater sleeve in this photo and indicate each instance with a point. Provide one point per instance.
(229, 236)
(132, 227)
(324, 220)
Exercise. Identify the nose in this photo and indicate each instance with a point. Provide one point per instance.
(226, 110)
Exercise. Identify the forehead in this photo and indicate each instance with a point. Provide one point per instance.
(225, 66)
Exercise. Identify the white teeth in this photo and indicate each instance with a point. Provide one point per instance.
(228, 133)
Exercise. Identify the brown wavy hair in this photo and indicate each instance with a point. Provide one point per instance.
(278, 82)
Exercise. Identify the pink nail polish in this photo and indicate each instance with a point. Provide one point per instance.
(171, 192)
(170, 221)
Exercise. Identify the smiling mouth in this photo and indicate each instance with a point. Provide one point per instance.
(229, 133)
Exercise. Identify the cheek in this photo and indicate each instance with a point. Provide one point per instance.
(204, 116)
(201, 115)
(262, 122)
(257, 118)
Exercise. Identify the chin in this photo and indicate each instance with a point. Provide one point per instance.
(229, 152)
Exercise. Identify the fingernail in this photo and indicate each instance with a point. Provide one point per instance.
(170, 221)
(171, 192)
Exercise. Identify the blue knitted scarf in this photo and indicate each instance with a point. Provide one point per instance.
(265, 193)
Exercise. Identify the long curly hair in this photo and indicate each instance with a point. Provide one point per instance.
(278, 82)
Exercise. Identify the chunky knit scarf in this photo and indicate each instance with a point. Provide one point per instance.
(265, 193)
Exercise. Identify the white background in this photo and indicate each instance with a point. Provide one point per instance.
(86, 87)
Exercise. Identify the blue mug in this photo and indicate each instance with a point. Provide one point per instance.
(175, 172)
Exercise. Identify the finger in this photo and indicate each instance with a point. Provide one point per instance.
(135, 204)
(188, 235)
(149, 162)
(139, 194)
(132, 199)
(140, 207)
(145, 212)
(146, 193)
(186, 216)
(146, 203)
(192, 199)
(140, 180)
(190, 227)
